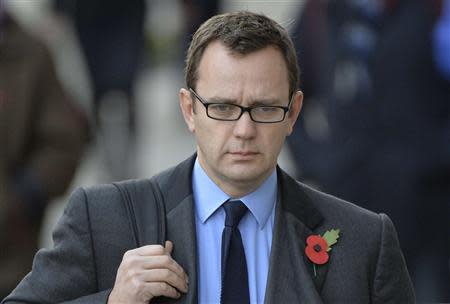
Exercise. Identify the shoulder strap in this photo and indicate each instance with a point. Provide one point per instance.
(160, 211)
(146, 210)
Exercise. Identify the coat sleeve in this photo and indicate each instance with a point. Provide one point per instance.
(67, 272)
(392, 283)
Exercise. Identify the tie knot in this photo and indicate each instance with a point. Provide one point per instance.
(234, 210)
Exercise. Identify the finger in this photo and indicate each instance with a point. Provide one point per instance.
(169, 247)
(140, 258)
(179, 270)
(154, 249)
(149, 250)
(166, 276)
(164, 262)
(158, 289)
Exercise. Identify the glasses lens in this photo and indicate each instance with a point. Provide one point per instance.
(267, 114)
(223, 111)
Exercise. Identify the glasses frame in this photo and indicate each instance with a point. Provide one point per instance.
(206, 104)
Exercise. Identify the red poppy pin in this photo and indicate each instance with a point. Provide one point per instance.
(318, 246)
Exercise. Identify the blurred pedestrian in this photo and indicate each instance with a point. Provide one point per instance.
(42, 135)
(111, 36)
(375, 127)
(196, 12)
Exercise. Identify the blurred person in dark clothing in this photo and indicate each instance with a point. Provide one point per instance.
(42, 135)
(196, 12)
(111, 36)
(376, 122)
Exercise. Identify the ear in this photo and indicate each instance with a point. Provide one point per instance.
(296, 107)
(186, 105)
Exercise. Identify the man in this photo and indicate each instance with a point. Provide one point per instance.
(42, 137)
(241, 101)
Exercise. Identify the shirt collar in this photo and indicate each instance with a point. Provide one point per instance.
(209, 197)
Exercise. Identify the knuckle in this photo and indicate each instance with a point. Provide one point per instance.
(165, 287)
(126, 255)
(132, 260)
(166, 260)
(159, 249)
(129, 262)
(166, 273)
(153, 249)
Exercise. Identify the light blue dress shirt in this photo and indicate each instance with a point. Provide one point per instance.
(256, 230)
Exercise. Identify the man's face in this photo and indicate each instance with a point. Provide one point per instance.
(239, 155)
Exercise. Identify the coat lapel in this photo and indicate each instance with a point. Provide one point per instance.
(291, 274)
(176, 187)
(181, 231)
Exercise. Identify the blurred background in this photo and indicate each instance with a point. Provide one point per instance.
(89, 94)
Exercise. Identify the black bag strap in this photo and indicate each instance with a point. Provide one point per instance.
(160, 210)
(137, 193)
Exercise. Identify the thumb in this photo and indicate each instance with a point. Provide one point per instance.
(169, 247)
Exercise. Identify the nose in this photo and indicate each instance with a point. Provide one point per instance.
(245, 127)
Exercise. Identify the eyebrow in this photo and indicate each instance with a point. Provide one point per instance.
(259, 102)
(265, 102)
(221, 100)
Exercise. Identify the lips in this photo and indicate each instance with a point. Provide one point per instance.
(244, 153)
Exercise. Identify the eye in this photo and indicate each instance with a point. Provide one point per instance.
(267, 109)
(222, 107)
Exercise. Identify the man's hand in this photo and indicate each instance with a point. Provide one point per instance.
(148, 272)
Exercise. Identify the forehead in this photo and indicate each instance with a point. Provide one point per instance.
(262, 73)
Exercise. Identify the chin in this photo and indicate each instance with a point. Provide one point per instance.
(245, 174)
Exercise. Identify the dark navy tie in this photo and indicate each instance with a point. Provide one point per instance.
(234, 265)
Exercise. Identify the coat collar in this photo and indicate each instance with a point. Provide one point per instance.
(294, 198)
(295, 201)
(176, 187)
(291, 273)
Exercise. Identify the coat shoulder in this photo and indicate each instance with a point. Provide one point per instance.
(335, 208)
(358, 226)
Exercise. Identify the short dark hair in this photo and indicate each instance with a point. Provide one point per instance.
(242, 32)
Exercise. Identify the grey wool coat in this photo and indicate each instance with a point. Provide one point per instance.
(365, 266)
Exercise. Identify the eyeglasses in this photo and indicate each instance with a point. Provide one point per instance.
(232, 112)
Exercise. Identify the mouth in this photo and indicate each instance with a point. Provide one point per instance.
(243, 155)
(243, 152)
